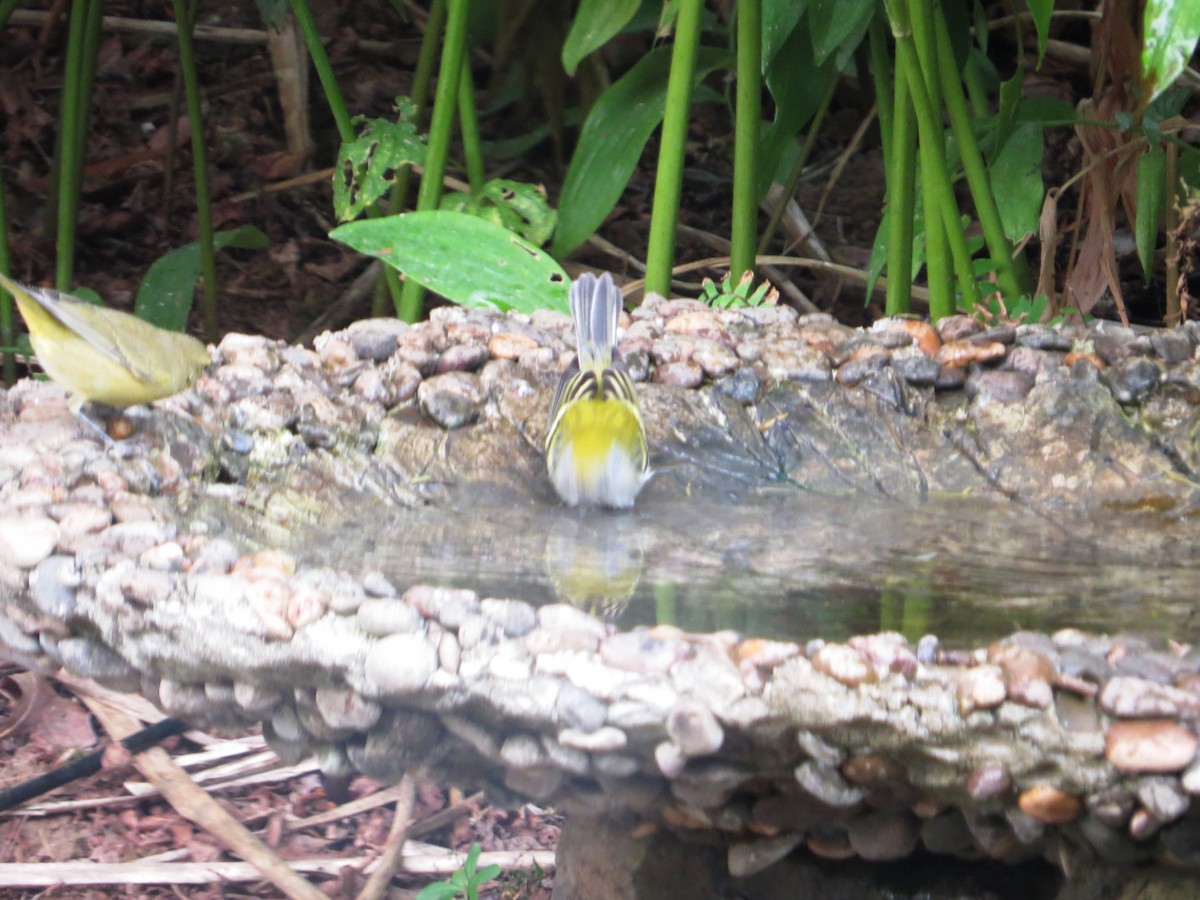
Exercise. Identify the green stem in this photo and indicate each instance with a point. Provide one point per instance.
(333, 94)
(941, 208)
(668, 183)
(881, 74)
(901, 201)
(337, 105)
(980, 184)
(441, 127)
(82, 40)
(204, 223)
(7, 337)
(797, 171)
(468, 123)
(747, 124)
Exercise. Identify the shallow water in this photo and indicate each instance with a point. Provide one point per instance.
(778, 562)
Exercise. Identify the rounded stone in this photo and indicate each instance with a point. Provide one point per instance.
(400, 665)
(452, 399)
(383, 617)
(883, 836)
(1134, 379)
(694, 728)
(1050, 805)
(25, 542)
(1151, 745)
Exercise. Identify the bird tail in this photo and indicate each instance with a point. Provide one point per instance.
(596, 309)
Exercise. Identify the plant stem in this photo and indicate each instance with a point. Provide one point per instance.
(999, 248)
(468, 123)
(668, 184)
(83, 37)
(901, 200)
(748, 116)
(191, 89)
(422, 76)
(941, 208)
(881, 74)
(333, 94)
(797, 171)
(441, 127)
(337, 105)
(1174, 312)
(7, 338)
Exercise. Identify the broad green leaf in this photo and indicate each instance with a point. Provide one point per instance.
(520, 208)
(779, 18)
(1016, 177)
(1010, 100)
(834, 22)
(979, 15)
(1170, 31)
(1151, 184)
(165, 295)
(439, 890)
(464, 258)
(612, 140)
(797, 84)
(595, 23)
(958, 24)
(1040, 10)
(367, 165)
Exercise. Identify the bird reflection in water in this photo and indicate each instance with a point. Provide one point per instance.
(595, 560)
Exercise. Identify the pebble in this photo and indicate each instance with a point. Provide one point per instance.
(746, 858)
(1133, 379)
(399, 665)
(25, 542)
(988, 781)
(383, 617)
(1048, 804)
(1150, 745)
(694, 729)
(826, 784)
(883, 836)
(1163, 799)
(452, 399)
(844, 664)
(448, 606)
(1139, 698)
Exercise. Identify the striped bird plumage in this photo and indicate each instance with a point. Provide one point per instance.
(596, 449)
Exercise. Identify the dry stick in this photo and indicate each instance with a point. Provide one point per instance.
(197, 806)
(393, 854)
(419, 859)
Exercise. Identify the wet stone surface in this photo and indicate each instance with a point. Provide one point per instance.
(156, 564)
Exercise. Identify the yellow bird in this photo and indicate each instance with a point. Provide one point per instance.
(103, 354)
(596, 451)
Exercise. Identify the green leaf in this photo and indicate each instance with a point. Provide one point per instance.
(1016, 177)
(165, 295)
(366, 166)
(521, 208)
(439, 890)
(1006, 114)
(797, 85)
(595, 23)
(1170, 31)
(834, 22)
(612, 141)
(779, 18)
(1047, 112)
(464, 258)
(1151, 182)
(1040, 10)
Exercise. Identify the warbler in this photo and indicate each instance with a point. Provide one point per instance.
(104, 354)
(596, 450)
